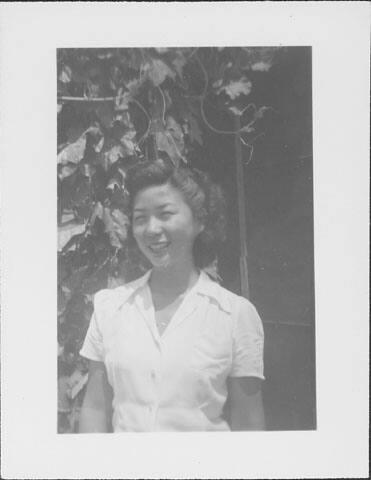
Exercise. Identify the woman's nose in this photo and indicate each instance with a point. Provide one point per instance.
(153, 226)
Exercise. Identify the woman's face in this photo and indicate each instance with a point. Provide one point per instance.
(164, 225)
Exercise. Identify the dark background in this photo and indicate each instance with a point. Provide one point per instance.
(279, 201)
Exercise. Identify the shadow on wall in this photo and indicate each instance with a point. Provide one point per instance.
(289, 388)
(280, 262)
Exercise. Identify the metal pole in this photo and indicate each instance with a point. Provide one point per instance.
(244, 279)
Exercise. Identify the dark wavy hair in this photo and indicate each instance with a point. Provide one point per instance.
(204, 197)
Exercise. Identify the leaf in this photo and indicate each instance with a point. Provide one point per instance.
(76, 383)
(113, 183)
(72, 242)
(95, 131)
(63, 297)
(87, 170)
(127, 141)
(64, 403)
(61, 301)
(116, 226)
(235, 110)
(66, 170)
(257, 121)
(262, 111)
(236, 88)
(111, 156)
(261, 66)
(158, 71)
(125, 119)
(66, 74)
(258, 58)
(65, 233)
(98, 147)
(218, 83)
(175, 129)
(66, 291)
(119, 197)
(166, 143)
(67, 217)
(122, 100)
(97, 213)
(74, 152)
(121, 224)
(171, 140)
(179, 62)
(133, 85)
(248, 128)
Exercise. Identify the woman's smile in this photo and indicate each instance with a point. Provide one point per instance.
(159, 247)
(164, 226)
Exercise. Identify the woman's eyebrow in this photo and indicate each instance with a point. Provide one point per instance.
(165, 205)
(158, 207)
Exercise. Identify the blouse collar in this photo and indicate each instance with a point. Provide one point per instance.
(204, 286)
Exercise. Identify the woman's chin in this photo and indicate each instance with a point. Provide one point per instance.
(160, 262)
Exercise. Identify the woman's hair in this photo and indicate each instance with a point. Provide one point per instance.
(205, 199)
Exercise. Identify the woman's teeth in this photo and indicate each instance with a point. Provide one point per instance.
(158, 247)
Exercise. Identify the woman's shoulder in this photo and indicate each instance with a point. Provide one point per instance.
(115, 297)
(244, 316)
(229, 300)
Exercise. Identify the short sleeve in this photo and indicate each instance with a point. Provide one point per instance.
(93, 344)
(248, 342)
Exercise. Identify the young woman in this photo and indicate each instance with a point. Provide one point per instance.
(168, 349)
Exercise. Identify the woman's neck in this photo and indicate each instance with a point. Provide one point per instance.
(173, 280)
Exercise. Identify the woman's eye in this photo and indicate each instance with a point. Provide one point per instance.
(138, 219)
(166, 215)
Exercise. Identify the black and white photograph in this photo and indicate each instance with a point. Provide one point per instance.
(184, 239)
(185, 227)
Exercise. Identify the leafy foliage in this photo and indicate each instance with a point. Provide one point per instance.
(117, 107)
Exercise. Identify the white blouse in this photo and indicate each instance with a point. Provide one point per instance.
(176, 381)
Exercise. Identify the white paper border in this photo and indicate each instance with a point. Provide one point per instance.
(29, 36)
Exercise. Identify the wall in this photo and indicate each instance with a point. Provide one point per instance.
(279, 203)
